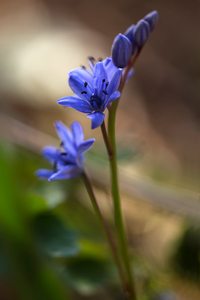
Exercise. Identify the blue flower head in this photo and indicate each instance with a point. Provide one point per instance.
(94, 89)
(68, 160)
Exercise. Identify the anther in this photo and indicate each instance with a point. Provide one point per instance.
(83, 67)
(92, 59)
(83, 92)
(85, 84)
(103, 80)
(63, 153)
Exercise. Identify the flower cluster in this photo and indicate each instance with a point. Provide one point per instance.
(94, 88)
(68, 160)
(127, 44)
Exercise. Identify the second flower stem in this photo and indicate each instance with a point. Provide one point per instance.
(106, 230)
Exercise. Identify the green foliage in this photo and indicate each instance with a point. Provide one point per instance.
(50, 240)
(53, 236)
(22, 266)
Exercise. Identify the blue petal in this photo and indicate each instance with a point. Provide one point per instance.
(142, 31)
(110, 68)
(106, 62)
(99, 76)
(76, 103)
(66, 138)
(77, 132)
(44, 173)
(83, 73)
(85, 145)
(114, 84)
(65, 173)
(121, 51)
(51, 153)
(116, 95)
(97, 119)
(152, 19)
(79, 85)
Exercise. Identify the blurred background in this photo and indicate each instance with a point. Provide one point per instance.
(51, 245)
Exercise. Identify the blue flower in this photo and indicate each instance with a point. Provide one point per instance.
(68, 160)
(94, 89)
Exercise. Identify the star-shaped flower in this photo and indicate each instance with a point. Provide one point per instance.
(94, 89)
(68, 160)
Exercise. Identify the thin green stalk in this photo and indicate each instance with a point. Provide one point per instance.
(122, 241)
(106, 230)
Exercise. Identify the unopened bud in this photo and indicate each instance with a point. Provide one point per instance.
(121, 51)
(152, 19)
(142, 31)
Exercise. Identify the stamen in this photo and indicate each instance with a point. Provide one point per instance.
(83, 92)
(103, 80)
(61, 144)
(107, 83)
(92, 59)
(85, 84)
(100, 59)
(83, 67)
(105, 92)
(63, 153)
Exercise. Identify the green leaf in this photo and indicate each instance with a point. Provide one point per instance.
(54, 237)
(11, 214)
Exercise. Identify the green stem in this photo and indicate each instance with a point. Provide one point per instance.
(106, 230)
(122, 241)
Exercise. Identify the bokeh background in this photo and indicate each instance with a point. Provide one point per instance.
(51, 245)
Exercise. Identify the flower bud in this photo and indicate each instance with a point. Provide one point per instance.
(142, 31)
(129, 33)
(152, 19)
(121, 51)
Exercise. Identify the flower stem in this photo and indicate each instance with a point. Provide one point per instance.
(122, 241)
(106, 230)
